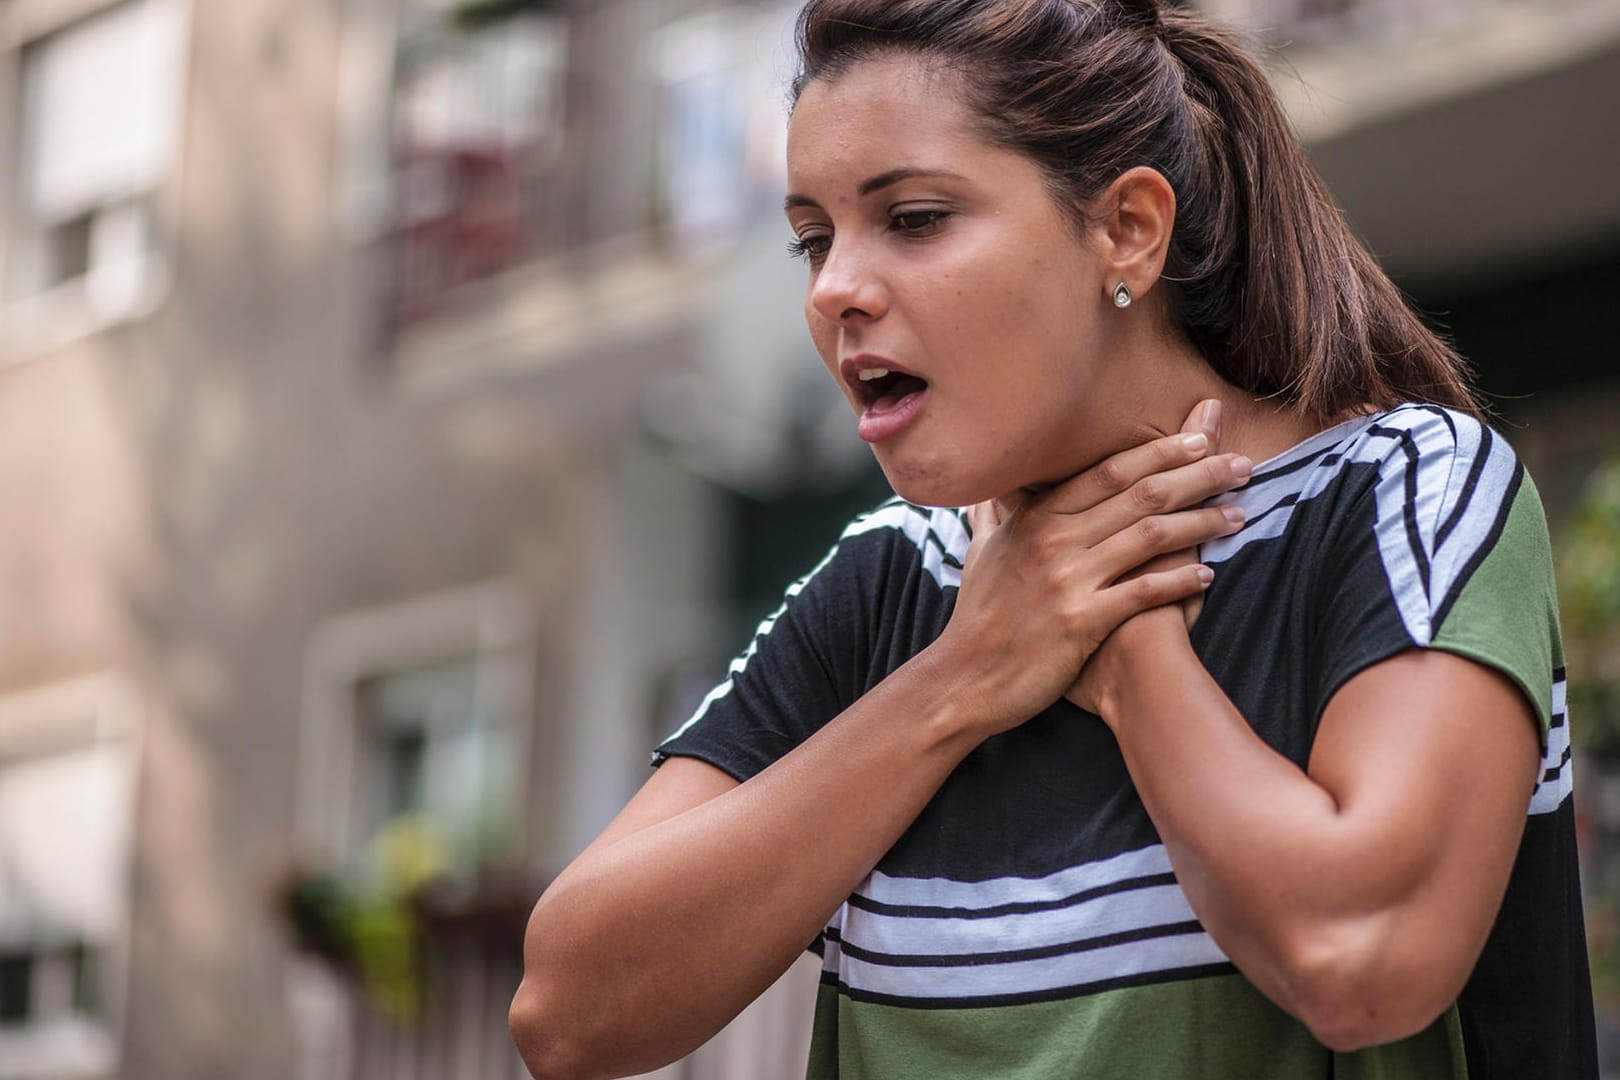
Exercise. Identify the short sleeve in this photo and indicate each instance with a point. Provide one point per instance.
(795, 674)
(1446, 548)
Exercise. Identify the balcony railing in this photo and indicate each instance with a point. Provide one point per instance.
(443, 1017)
(478, 172)
(613, 126)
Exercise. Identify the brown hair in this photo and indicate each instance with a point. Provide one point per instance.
(1264, 277)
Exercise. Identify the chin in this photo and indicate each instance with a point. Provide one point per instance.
(940, 486)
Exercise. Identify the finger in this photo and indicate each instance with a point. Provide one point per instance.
(1120, 601)
(1205, 419)
(1006, 505)
(1162, 534)
(981, 519)
(1163, 493)
(1184, 557)
(1117, 473)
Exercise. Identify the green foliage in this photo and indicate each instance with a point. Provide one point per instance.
(410, 853)
(370, 926)
(1590, 564)
(318, 908)
(1589, 599)
(387, 954)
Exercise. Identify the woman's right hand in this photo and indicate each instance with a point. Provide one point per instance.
(1047, 577)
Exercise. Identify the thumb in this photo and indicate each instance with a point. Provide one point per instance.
(1205, 419)
(983, 518)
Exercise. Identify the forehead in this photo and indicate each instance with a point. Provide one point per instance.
(882, 109)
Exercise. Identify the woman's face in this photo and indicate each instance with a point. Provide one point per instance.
(943, 260)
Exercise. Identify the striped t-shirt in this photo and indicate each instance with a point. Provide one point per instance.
(1029, 925)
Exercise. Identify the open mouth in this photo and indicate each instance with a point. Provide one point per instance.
(879, 388)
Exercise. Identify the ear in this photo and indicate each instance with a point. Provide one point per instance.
(1134, 218)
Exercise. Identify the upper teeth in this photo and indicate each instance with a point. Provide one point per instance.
(873, 373)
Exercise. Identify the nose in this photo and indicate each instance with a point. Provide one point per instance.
(847, 288)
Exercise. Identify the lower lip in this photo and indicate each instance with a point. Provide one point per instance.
(887, 417)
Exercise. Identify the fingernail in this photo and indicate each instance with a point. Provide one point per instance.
(1206, 575)
(1242, 467)
(1195, 443)
(1211, 420)
(1234, 514)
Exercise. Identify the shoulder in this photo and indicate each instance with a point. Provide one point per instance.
(1440, 455)
(1454, 509)
(1444, 478)
(908, 538)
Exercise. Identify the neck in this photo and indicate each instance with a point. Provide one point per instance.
(1172, 379)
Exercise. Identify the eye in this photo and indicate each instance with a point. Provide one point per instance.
(812, 247)
(918, 222)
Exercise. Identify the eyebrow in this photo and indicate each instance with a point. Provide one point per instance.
(878, 183)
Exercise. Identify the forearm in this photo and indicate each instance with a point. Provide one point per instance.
(645, 948)
(1301, 889)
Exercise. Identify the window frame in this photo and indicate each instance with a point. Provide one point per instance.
(83, 713)
(491, 623)
(38, 321)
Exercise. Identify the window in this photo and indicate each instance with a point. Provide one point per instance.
(723, 126)
(420, 711)
(435, 751)
(100, 107)
(67, 789)
(475, 151)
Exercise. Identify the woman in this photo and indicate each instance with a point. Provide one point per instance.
(1042, 815)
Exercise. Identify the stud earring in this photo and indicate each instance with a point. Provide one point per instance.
(1122, 295)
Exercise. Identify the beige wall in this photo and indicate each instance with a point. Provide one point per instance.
(192, 494)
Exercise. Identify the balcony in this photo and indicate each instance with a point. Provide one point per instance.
(479, 182)
(1317, 22)
(561, 182)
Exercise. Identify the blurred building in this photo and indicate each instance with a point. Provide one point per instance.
(394, 396)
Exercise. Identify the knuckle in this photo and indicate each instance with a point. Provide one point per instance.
(1150, 493)
(1066, 582)
(1152, 531)
(1143, 590)
(1109, 475)
(1076, 620)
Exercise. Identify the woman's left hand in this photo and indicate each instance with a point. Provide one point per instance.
(1205, 418)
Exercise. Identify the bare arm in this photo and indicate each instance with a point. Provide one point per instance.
(1356, 895)
(680, 923)
(704, 891)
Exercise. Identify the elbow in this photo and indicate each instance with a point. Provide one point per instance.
(1352, 998)
(543, 1039)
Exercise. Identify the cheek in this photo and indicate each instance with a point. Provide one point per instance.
(824, 336)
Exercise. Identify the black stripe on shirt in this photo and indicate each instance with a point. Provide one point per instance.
(1557, 770)
(1121, 982)
(1024, 907)
(1414, 539)
(1484, 548)
(1475, 471)
(1324, 457)
(1014, 956)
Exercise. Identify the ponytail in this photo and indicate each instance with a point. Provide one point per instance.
(1263, 275)
(1267, 278)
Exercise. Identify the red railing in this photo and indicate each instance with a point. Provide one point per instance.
(479, 179)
